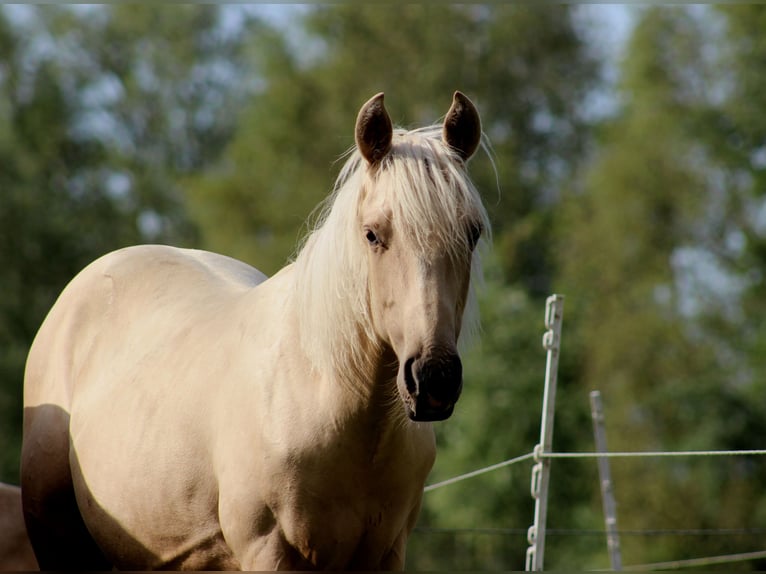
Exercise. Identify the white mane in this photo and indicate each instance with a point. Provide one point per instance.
(434, 202)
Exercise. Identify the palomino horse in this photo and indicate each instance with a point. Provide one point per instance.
(183, 411)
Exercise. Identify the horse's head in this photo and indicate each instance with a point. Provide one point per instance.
(420, 219)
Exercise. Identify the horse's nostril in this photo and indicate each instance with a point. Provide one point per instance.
(445, 372)
(434, 383)
(409, 376)
(441, 378)
(436, 403)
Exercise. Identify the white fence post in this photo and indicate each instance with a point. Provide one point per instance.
(605, 476)
(554, 314)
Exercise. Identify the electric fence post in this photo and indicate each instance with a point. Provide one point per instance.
(541, 471)
(605, 480)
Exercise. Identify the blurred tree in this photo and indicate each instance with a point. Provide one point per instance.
(633, 246)
(252, 203)
(102, 110)
(526, 68)
(736, 137)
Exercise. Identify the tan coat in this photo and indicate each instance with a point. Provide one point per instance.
(182, 411)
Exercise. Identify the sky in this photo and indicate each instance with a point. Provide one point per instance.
(612, 23)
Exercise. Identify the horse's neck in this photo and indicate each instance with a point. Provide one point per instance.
(359, 387)
(367, 390)
(359, 401)
(347, 376)
(372, 412)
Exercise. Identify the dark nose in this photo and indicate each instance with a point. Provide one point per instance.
(435, 382)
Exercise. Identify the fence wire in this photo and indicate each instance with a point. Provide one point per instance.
(478, 472)
(636, 454)
(670, 565)
(584, 532)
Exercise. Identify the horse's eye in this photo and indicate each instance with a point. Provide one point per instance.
(372, 239)
(474, 234)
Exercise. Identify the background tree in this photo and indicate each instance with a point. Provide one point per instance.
(634, 246)
(103, 111)
(526, 68)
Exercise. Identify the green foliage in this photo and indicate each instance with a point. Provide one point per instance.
(276, 169)
(525, 68)
(631, 247)
(98, 124)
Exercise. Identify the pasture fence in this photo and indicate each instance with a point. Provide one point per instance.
(543, 455)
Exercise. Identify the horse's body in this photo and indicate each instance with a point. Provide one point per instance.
(182, 411)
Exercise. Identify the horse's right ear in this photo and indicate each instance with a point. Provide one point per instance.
(373, 130)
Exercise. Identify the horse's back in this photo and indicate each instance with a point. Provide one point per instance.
(109, 319)
(124, 283)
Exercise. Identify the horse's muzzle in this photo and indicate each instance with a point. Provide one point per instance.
(433, 383)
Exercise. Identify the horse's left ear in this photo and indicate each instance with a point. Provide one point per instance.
(462, 126)
(373, 130)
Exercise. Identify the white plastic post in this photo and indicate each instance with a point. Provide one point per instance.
(605, 476)
(554, 315)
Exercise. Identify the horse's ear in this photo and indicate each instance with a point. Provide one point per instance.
(373, 130)
(462, 126)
